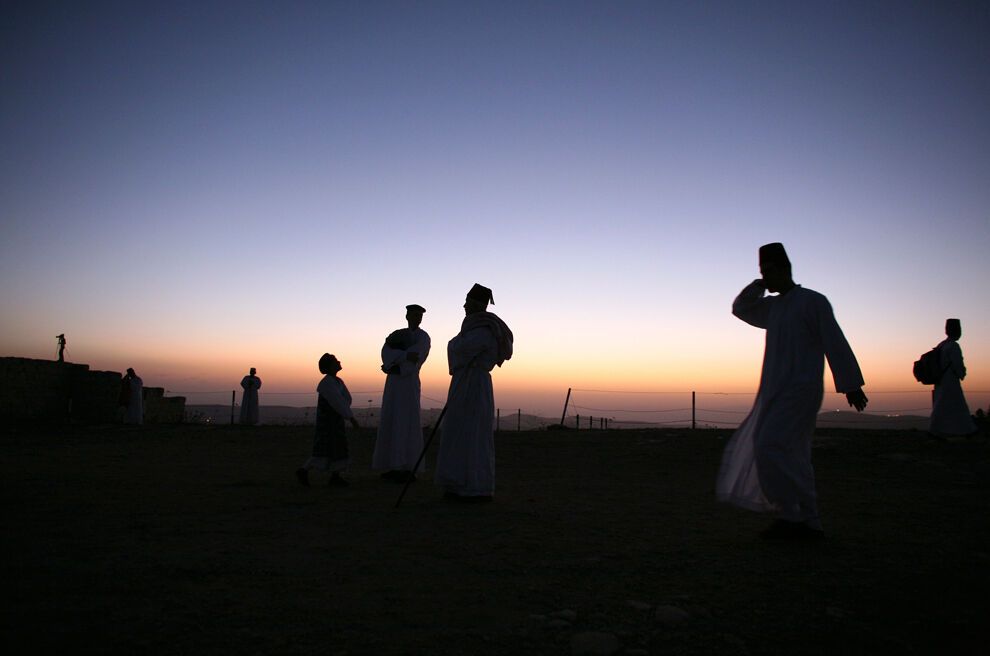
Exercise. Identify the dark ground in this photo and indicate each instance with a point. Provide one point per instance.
(197, 539)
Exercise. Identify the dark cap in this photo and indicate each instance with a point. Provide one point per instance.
(952, 324)
(416, 308)
(482, 294)
(774, 253)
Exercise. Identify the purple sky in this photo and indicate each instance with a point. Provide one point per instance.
(192, 188)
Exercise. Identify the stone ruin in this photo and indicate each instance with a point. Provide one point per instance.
(63, 392)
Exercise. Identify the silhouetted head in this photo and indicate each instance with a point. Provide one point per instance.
(253, 371)
(478, 299)
(775, 267)
(414, 315)
(130, 372)
(329, 364)
(953, 329)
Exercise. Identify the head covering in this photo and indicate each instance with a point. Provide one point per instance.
(130, 371)
(953, 325)
(774, 253)
(253, 370)
(415, 308)
(482, 294)
(325, 363)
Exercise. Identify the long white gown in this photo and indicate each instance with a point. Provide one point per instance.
(400, 431)
(466, 458)
(950, 412)
(249, 400)
(766, 466)
(135, 406)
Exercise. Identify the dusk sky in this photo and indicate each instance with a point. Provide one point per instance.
(195, 188)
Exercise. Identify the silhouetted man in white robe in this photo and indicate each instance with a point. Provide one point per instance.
(400, 433)
(766, 466)
(950, 412)
(132, 396)
(249, 399)
(466, 459)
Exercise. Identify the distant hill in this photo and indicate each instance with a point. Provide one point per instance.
(283, 415)
(849, 419)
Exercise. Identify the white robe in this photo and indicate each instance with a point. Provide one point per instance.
(466, 458)
(766, 466)
(400, 432)
(950, 413)
(135, 407)
(249, 399)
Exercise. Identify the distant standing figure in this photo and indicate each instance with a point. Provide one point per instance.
(400, 433)
(950, 413)
(466, 458)
(132, 398)
(333, 406)
(249, 399)
(766, 466)
(61, 347)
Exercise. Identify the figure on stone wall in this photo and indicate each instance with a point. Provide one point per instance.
(61, 347)
(132, 398)
(249, 399)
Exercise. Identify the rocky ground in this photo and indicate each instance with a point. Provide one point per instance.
(197, 539)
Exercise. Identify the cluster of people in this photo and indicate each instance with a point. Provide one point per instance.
(465, 465)
(766, 466)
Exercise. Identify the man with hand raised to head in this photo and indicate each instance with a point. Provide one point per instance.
(766, 466)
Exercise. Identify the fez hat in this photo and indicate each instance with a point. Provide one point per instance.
(482, 294)
(325, 362)
(774, 253)
(953, 324)
(415, 308)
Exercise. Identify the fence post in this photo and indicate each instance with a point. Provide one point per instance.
(233, 397)
(498, 419)
(692, 410)
(566, 401)
(518, 419)
(591, 422)
(577, 422)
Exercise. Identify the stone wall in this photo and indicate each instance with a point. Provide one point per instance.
(48, 391)
(159, 409)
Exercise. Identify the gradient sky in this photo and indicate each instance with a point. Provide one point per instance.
(194, 188)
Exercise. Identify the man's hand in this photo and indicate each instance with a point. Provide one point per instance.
(857, 399)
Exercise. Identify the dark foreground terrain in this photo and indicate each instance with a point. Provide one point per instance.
(197, 539)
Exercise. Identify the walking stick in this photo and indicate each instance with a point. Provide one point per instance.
(422, 455)
(432, 435)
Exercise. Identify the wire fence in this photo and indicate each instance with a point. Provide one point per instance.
(590, 408)
(594, 409)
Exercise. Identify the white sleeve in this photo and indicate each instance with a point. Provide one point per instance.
(329, 389)
(751, 305)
